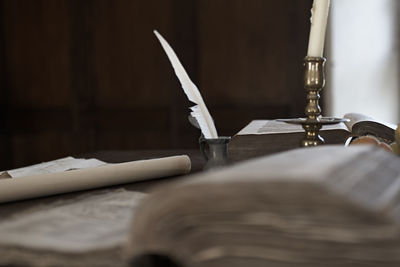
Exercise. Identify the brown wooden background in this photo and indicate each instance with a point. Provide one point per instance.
(86, 75)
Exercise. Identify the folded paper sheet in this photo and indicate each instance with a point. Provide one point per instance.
(76, 180)
(58, 165)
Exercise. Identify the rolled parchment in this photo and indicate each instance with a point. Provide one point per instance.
(84, 179)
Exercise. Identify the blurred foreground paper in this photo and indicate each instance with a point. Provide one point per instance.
(45, 184)
(89, 222)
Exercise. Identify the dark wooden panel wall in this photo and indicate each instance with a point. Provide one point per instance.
(85, 75)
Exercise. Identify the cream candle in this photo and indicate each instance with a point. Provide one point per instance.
(319, 20)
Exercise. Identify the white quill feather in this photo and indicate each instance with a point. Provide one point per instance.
(200, 111)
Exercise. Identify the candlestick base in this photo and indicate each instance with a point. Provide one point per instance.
(312, 128)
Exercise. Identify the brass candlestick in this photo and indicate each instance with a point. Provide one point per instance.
(314, 82)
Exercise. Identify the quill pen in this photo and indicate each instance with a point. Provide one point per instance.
(199, 111)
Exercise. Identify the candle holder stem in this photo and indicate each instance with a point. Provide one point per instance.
(314, 82)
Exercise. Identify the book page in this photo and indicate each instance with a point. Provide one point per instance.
(259, 127)
(88, 222)
(354, 118)
(357, 117)
(364, 174)
(302, 164)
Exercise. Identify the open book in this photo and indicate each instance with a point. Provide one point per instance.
(263, 137)
(323, 206)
